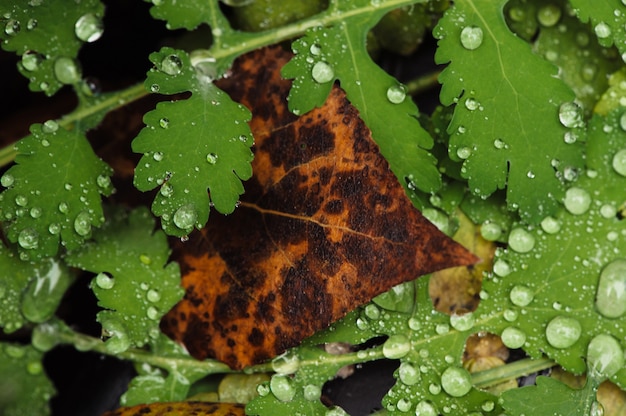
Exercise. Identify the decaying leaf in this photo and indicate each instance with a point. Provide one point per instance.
(323, 227)
(181, 409)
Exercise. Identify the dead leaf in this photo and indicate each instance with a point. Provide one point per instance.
(324, 226)
(181, 409)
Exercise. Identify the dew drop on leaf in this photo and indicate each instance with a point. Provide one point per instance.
(31, 60)
(12, 27)
(414, 323)
(471, 37)
(282, 388)
(408, 374)
(103, 181)
(396, 346)
(28, 238)
(312, 392)
(157, 156)
(462, 322)
(396, 94)
(463, 152)
(434, 389)
(611, 292)
(619, 162)
(490, 231)
(154, 88)
(82, 224)
(510, 315)
(570, 137)
(21, 200)
(63, 208)
(577, 200)
(89, 28)
(563, 331)
(456, 381)
(166, 190)
(521, 240)
(263, 389)
(372, 311)
(570, 115)
(185, 217)
(404, 405)
(549, 15)
(287, 363)
(104, 281)
(596, 409)
(119, 341)
(521, 295)
(153, 295)
(152, 313)
(602, 30)
(550, 225)
(471, 104)
(211, 158)
(499, 144)
(49, 126)
(315, 49)
(425, 408)
(608, 211)
(171, 65)
(164, 123)
(54, 228)
(513, 337)
(7, 180)
(66, 70)
(605, 356)
(322, 72)
(35, 212)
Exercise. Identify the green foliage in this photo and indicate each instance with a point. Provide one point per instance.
(135, 283)
(608, 20)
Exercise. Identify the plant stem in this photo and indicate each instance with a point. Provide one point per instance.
(423, 83)
(510, 371)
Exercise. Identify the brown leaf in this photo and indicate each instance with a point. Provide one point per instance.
(181, 409)
(323, 227)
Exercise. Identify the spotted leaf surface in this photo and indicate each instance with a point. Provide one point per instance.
(134, 283)
(515, 123)
(196, 150)
(338, 52)
(312, 237)
(48, 35)
(53, 191)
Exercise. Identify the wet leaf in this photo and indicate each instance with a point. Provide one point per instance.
(181, 409)
(607, 19)
(323, 227)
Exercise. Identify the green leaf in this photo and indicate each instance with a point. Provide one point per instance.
(191, 145)
(506, 123)
(549, 397)
(608, 18)
(338, 52)
(24, 387)
(189, 14)
(48, 34)
(135, 284)
(53, 191)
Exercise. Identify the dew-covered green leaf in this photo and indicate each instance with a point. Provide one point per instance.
(189, 14)
(512, 113)
(24, 387)
(191, 146)
(47, 35)
(54, 191)
(135, 283)
(607, 18)
(338, 52)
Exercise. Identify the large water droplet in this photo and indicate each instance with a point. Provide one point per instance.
(7, 180)
(49, 126)
(89, 28)
(66, 70)
(312, 392)
(521, 240)
(103, 181)
(513, 337)
(425, 408)
(152, 313)
(396, 94)
(63, 207)
(563, 331)
(282, 388)
(171, 65)
(602, 30)
(82, 224)
(322, 72)
(577, 200)
(153, 295)
(490, 231)
(185, 217)
(54, 228)
(521, 295)
(463, 152)
(619, 162)
(456, 381)
(550, 225)
(463, 322)
(157, 156)
(570, 115)
(605, 356)
(408, 374)
(471, 37)
(28, 238)
(211, 158)
(12, 27)
(471, 104)
(549, 15)
(167, 190)
(21, 200)
(104, 281)
(611, 293)
(31, 60)
(396, 346)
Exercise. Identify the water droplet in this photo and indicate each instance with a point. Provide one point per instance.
(21, 200)
(608, 211)
(596, 409)
(396, 346)
(425, 408)
(456, 381)
(103, 181)
(602, 30)
(521, 240)
(550, 225)
(211, 158)
(315, 49)
(577, 200)
(510, 315)
(434, 388)
(49, 126)
(185, 217)
(414, 324)
(611, 292)
(396, 94)
(281, 387)
(312, 392)
(513, 337)
(34, 367)
(35, 212)
(619, 161)
(570, 115)
(89, 28)
(463, 152)
(63, 208)
(66, 70)
(499, 144)
(408, 374)
(563, 331)
(31, 60)
(82, 224)
(54, 228)
(549, 15)
(7, 180)
(167, 190)
(605, 357)
(119, 340)
(588, 71)
(171, 65)
(154, 88)
(12, 27)
(335, 410)
(471, 104)
(152, 313)
(322, 72)
(521, 295)
(570, 137)
(287, 363)
(463, 322)
(442, 328)
(28, 238)
(404, 405)
(490, 231)
(372, 311)
(153, 295)
(157, 156)
(164, 122)
(488, 406)
(471, 37)
(104, 281)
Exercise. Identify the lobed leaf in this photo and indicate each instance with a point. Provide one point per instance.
(191, 145)
(135, 284)
(608, 19)
(506, 125)
(190, 14)
(338, 52)
(53, 191)
(48, 35)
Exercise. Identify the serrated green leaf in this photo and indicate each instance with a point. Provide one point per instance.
(24, 387)
(608, 19)
(46, 35)
(189, 14)
(549, 397)
(53, 191)
(135, 284)
(191, 145)
(506, 123)
(338, 52)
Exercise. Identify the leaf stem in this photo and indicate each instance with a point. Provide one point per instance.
(423, 83)
(510, 371)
